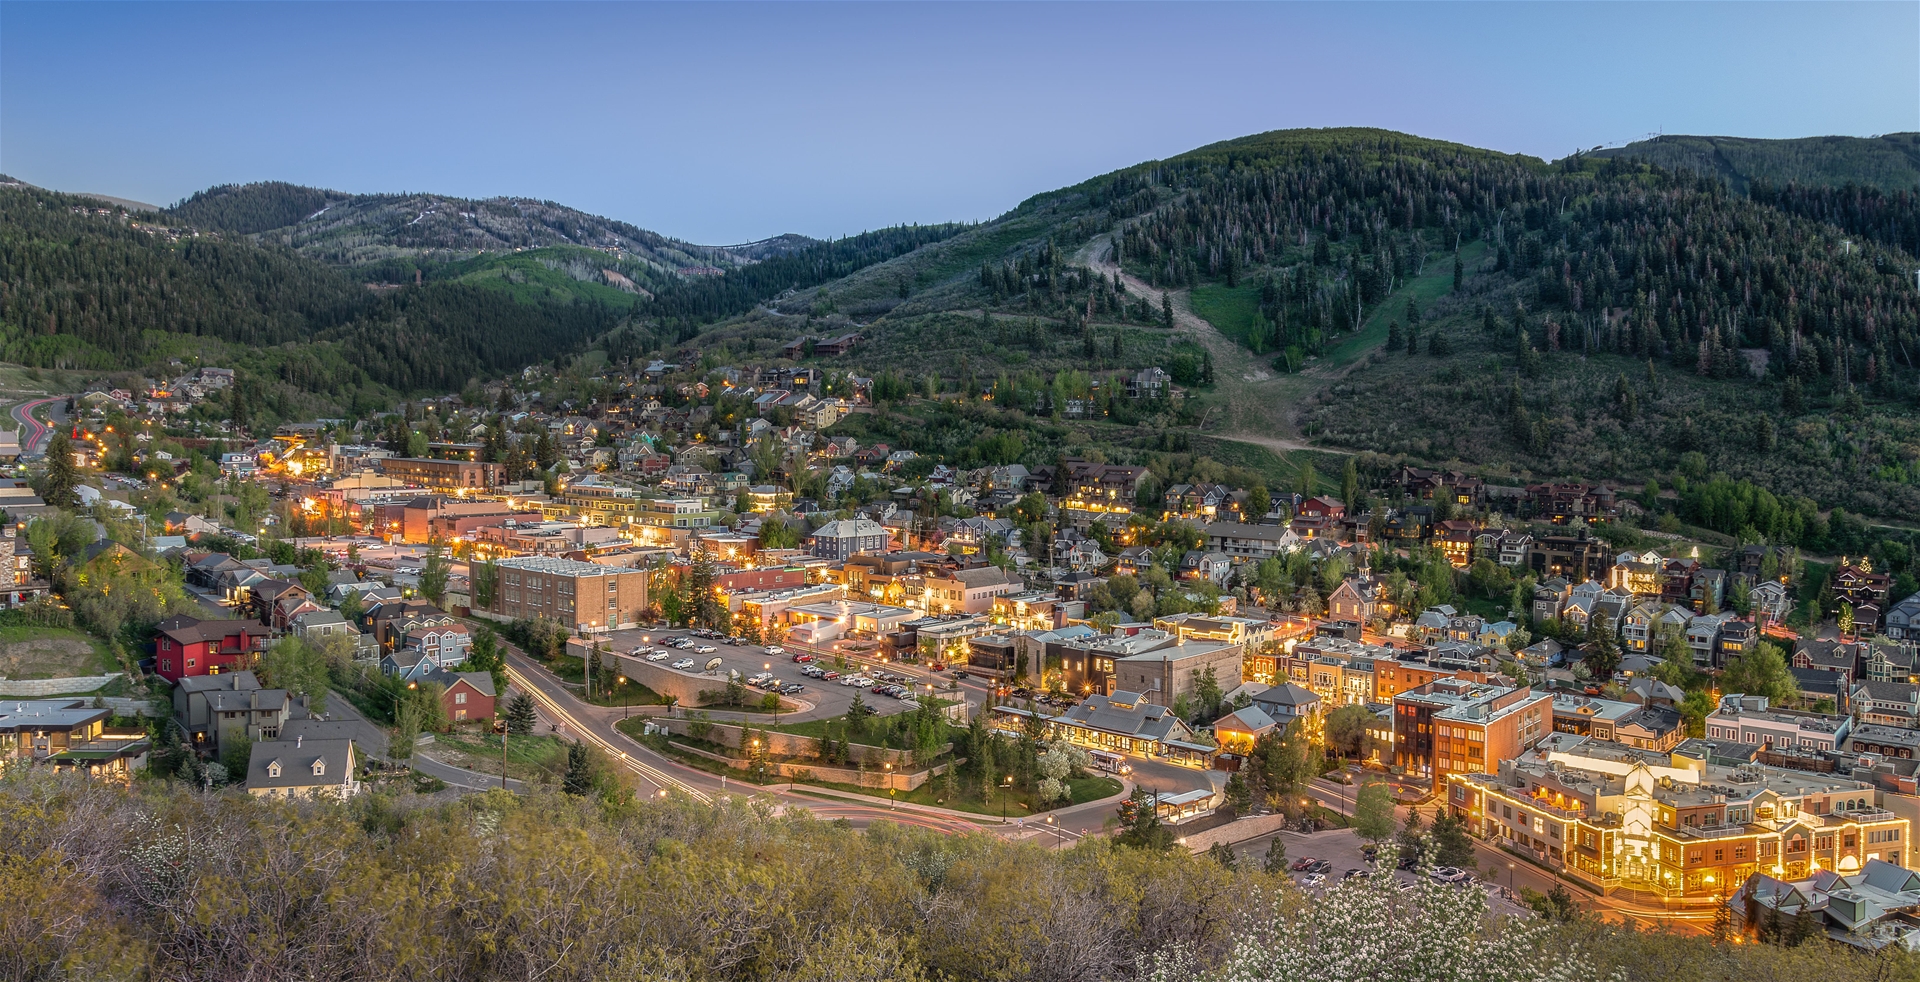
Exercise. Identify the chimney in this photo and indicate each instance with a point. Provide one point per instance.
(298, 739)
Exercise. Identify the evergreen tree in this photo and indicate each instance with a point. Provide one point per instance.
(1276, 859)
(1459, 271)
(1350, 485)
(62, 475)
(579, 777)
(1166, 310)
(520, 715)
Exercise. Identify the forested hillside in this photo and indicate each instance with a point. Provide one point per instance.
(1598, 317)
(82, 286)
(362, 229)
(1887, 163)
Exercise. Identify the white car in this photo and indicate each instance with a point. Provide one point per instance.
(684, 664)
(704, 649)
(640, 652)
(658, 656)
(774, 649)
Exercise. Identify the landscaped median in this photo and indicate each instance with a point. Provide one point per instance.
(785, 757)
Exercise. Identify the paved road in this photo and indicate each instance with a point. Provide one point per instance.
(660, 775)
(471, 780)
(373, 740)
(33, 433)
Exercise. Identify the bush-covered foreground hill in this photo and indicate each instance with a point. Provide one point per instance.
(101, 883)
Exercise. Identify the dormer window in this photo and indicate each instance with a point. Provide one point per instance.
(319, 768)
(273, 769)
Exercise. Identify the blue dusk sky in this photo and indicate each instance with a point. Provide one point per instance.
(721, 123)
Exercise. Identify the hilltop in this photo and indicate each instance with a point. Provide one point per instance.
(376, 229)
(1885, 163)
(1600, 316)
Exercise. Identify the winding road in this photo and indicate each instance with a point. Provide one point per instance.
(33, 433)
(664, 777)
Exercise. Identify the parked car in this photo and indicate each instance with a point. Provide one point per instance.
(774, 649)
(640, 652)
(1300, 865)
(1312, 880)
(684, 664)
(1450, 874)
(799, 656)
(792, 687)
(704, 649)
(961, 673)
(1322, 867)
(830, 676)
(660, 656)
(1353, 874)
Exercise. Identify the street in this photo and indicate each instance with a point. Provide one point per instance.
(658, 775)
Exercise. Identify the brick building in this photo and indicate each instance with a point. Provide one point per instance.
(581, 596)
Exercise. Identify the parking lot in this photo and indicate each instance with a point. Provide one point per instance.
(1341, 850)
(821, 699)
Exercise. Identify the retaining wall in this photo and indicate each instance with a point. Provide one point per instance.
(34, 688)
(1251, 827)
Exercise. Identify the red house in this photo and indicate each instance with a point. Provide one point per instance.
(469, 695)
(186, 646)
(1318, 517)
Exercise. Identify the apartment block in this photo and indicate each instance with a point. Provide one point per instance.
(581, 596)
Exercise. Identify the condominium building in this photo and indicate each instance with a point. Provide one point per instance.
(446, 475)
(581, 596)
(1748, 719)
(1454, 726)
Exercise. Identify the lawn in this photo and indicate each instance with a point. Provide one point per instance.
(1230, 309)
(52, 652)
(533, 759)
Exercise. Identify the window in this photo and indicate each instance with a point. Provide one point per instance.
(319, 767)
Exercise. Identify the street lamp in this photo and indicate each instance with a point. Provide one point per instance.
(1005, 786)
(890, 790)
(1510, 880)
(624, 708)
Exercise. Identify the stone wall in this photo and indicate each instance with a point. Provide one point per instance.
(35, 688)
(1251, 827)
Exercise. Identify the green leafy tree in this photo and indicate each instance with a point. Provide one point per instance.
(1762, 672)
(1373, 818)
(433, 576)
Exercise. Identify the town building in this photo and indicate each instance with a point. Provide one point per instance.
(302, 768)
(1748, 719)
(578, 595)
(1618, 818)
(445, 475)
(186, 646)
(1455, 726)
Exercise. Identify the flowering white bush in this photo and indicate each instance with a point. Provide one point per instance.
(1373, 930)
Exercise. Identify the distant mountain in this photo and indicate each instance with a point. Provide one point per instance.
(1888, 163)
(362, 229)
(95, 288)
